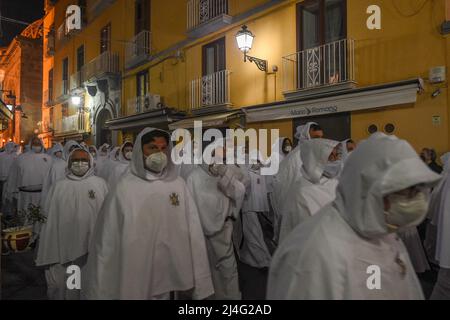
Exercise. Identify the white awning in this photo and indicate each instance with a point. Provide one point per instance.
(404, 92)
(213, 120)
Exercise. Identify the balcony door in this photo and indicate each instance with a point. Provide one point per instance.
(142, 16)
(214, 66)
(321, 33)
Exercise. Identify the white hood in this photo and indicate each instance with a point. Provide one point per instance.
(69, 144)
(10, 147)
(314, 155)
(137, 161)
(302, 132)
(89, 173)
(379, 166)
(121, 156)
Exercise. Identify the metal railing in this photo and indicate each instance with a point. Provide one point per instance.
(76, 80)
(73, 123)
(61, 32)
(107, 62)
(210, 90)
(138, 48)
(202, 11)
(329, 64)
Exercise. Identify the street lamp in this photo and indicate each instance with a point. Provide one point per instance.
(76, 100)
(244, 39)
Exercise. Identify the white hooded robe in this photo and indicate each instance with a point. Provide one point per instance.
(72, 206)
(148, 239)
(333, 254)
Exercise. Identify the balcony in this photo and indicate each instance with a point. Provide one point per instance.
(48, 98)
(138, 49)
(77, 123)
(325, 68)
(211, 91)
(206, 16)
(105, 64)
(76, 80)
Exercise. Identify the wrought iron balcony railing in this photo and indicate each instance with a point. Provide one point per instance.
(138, 49)
(210, 90)
(202, 11)
(326, 65)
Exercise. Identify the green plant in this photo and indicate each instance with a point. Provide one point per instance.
(21, 218)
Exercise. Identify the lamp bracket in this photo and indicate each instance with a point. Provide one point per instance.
(260, 63)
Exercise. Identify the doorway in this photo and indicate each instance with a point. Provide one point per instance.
(103, 134)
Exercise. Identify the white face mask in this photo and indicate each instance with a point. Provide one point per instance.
(128, 155)
(36, 149)
(94, 154)
(404, 211)
(287, 149)
(156, 162)
(332, 169)
(79, 168)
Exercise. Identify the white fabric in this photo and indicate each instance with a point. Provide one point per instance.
(439, 212)
(312, 190)
(6, 160)
(327, 256)
(288, 173)
(218, 200)
(119, 169)
(72, 207)
(148, 239)
(106, 167)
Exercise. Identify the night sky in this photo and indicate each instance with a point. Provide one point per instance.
(24, 10)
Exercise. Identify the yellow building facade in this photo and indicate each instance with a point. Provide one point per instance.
(354, 66)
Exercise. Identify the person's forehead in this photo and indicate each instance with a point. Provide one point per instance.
(159, 142)
(79, 154)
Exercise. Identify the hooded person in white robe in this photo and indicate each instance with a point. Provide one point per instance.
(126, 152)
(29, 174)
(254, 250)
(148, 240)
(289, 170)
(440, 221)
(7, 158)
(434, 211)
(108, 165)
(57, 170)
(72, 206)
(219, 193)
(102, 156)
(317, 186)
(280, 150)
(350, 249)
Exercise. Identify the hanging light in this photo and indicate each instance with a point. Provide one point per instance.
(244, 39)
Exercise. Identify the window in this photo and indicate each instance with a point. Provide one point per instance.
(65, 110)
(105, 39)
(50, 85)
(320, 22)
(142, 84)
(83, 6)
(65, 75)
(142, 15)
(51, 118)
(80, 57)
(214, 57)
(321, 30)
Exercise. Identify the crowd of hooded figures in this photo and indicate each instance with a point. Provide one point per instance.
(140, 227)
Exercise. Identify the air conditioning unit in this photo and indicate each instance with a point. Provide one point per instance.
(151, 102)
(437, 74)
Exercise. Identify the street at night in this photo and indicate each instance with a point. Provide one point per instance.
(231, 150)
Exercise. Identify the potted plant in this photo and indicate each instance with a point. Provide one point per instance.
(19, 228)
